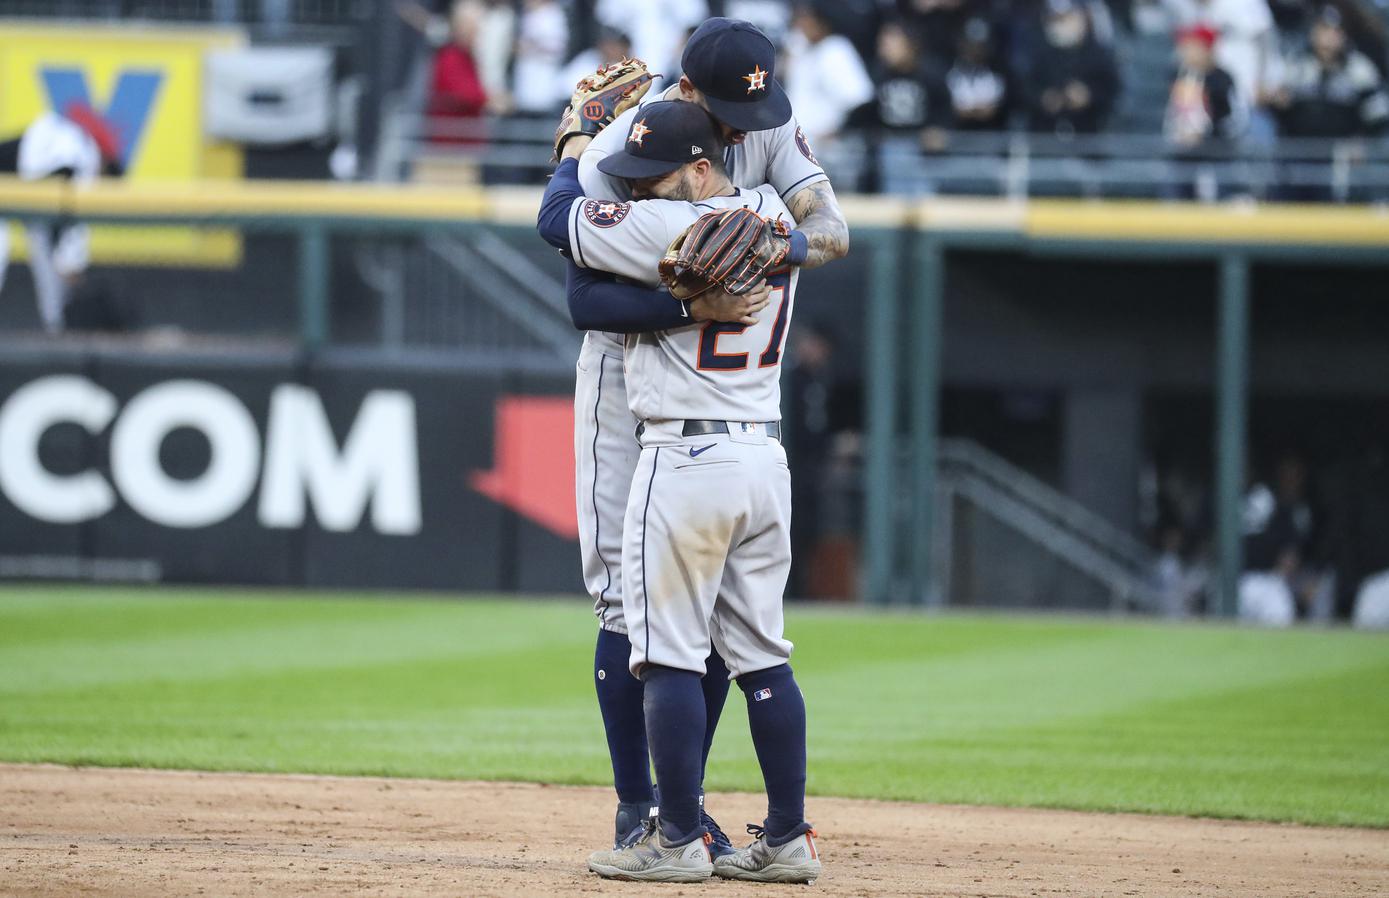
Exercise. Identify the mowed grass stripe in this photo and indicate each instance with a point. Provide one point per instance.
(1059, 712)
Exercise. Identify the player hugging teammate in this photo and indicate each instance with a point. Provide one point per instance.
(683, 487)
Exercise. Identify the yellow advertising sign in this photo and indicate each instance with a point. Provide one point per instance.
(148, 84)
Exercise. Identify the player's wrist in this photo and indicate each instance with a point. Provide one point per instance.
(574, 145)
(800, 249)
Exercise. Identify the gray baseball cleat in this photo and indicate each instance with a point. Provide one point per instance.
(650, 859)
(794, 861)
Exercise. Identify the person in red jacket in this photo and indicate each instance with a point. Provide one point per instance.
(456, 94)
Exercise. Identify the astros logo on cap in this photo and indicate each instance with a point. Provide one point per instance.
(756, 79)
(639, 131)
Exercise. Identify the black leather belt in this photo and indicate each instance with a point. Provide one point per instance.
(704, 428)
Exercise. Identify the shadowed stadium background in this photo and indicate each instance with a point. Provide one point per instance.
(1110, 338)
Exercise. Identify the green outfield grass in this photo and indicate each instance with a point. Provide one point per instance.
(1055, 712)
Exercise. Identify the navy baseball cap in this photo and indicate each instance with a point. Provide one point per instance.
(664, 136)
(733, 65)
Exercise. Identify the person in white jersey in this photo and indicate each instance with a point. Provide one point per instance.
(729, 69)
(76, 145)
(707, 549)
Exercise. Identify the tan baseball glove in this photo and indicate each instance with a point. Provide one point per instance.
(601, 97)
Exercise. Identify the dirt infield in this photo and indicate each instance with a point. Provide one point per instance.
(70, 831)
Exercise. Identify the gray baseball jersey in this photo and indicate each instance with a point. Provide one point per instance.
(780, 157)
(705, 542)
(718, 371)
(605, 453)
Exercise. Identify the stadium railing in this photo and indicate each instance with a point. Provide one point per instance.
(972, 163)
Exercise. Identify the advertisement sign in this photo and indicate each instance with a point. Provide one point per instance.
(276, 472)
(148, 84)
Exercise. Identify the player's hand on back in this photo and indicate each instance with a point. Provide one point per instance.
(719, 305)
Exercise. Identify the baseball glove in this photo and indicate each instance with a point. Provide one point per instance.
(733, 249)
(601, 97)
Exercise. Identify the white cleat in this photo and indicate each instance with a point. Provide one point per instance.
(796, 861)
(649, 859)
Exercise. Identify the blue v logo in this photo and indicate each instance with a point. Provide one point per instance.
(129, 109)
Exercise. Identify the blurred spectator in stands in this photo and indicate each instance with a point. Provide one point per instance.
(910, 104)
(488, 27)
(658, 29)
(1178, 582)
(1363, 20)
(772, 17)
(1075, 80)
(976, 82)
(75, 146)
(1247, 49)
(936, 24)
(1280, 582)
(1366, 27)
(1203, 105)
(1331, 90)
(910, 94)
(825, 77)
(542, 43)
(611, 46)
(496, 36)
(859, 21)
(456, 94)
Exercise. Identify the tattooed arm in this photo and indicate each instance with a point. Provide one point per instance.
(819, 219)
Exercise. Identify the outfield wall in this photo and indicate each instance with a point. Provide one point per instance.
(1070, 337)
(281, 469)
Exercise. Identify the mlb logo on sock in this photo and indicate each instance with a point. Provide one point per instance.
(761, 695)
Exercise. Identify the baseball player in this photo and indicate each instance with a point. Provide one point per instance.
(706, 549)
(729, 69)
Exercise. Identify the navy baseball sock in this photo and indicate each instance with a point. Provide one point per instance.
(776, 717)
(675, 718)
(715, 686)
(620, 702)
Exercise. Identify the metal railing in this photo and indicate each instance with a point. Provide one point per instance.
(365, 266)
(526, 301)
(1012, 164)
(1055, 523)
